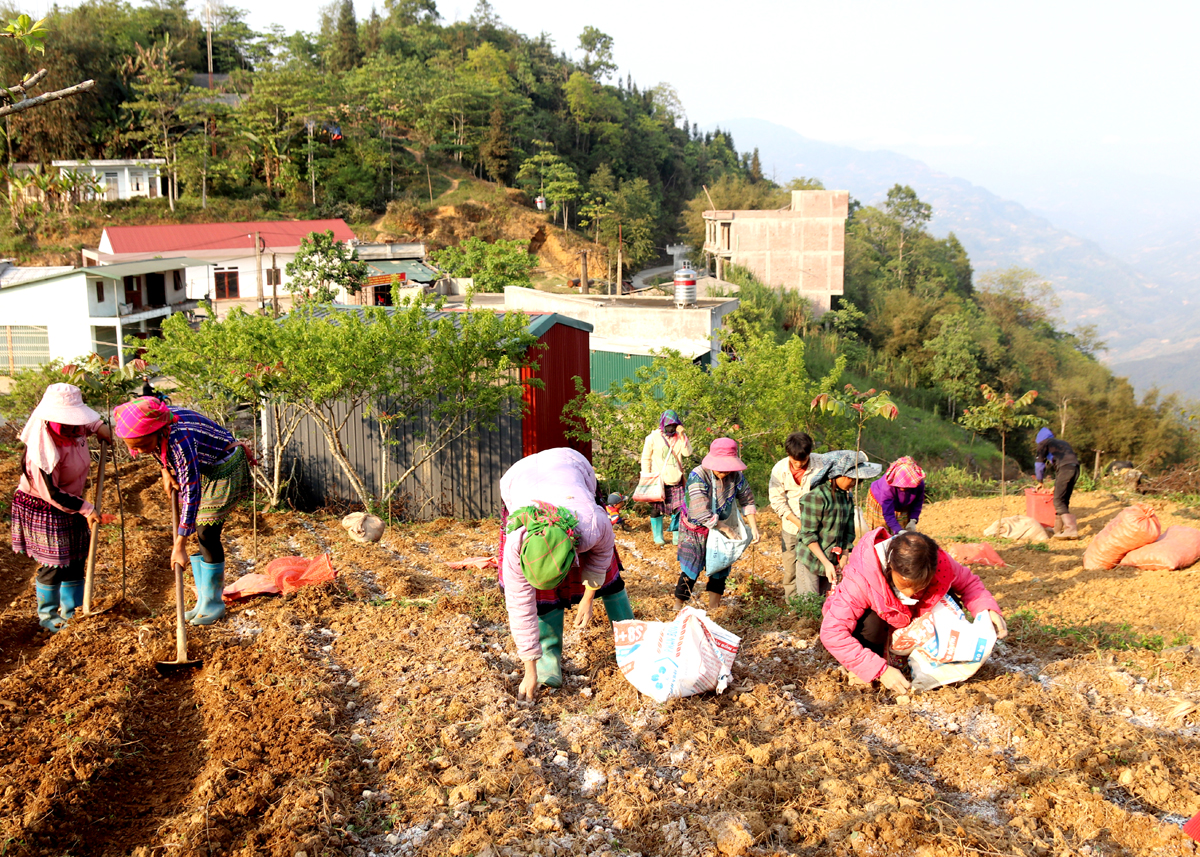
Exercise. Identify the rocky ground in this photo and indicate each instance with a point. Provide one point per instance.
(377, 715)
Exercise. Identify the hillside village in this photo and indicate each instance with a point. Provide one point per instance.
(374, 352)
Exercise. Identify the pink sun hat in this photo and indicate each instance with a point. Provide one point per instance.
(63, 403)
(723, 456)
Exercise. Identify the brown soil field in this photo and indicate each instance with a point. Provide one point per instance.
(376, 715)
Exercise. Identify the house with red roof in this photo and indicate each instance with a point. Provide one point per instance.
(232, 272)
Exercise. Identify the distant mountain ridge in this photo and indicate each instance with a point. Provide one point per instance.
(1137, 316)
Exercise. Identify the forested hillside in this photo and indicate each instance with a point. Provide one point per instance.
(346, 120)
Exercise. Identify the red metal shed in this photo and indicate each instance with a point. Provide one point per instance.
(562, 353)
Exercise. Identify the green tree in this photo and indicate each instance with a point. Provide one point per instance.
(322, 265)
(597, 53)
(345, 52)
(493, 266)
(955, 365)
(911, 216)
(550, 174)
(713, 404)
(999, 413)
(161, 91)
(495, 149)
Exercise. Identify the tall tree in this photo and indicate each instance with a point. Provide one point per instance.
(495, 148)
(911, 215)
(345, 53)
(161, 90)
(597, 49)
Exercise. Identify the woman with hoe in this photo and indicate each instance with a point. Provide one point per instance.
(209, 469)
(50, 517)
(556, 549)
(663, 453)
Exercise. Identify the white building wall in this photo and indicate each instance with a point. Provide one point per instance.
(58, 305)
(201, 280)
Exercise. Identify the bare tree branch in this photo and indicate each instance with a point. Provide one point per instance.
(45, 98)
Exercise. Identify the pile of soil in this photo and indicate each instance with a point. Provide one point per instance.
(376, 715)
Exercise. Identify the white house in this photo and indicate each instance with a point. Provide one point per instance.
(70, 312)
(122, 179)
(228, 270)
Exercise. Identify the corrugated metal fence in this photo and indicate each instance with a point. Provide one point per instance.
(462, 481)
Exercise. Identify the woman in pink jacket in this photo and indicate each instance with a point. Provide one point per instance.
(886, 584)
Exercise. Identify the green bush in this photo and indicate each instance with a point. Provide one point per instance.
(947, 483)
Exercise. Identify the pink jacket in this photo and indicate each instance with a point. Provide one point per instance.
(865, 587)
(70, 474)
(561, 477)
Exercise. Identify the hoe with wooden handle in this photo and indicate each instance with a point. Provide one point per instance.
(181, 661)
(90, 576)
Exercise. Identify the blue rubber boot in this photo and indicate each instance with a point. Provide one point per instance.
(550, 633)
(70, 597)
(195, 560)
(47, 608)
(656, 529)
(210, 583)
(617, 607)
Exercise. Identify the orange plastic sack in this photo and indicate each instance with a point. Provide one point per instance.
(1131, 529)
(1178, 547)
(975, 553)
(292, 572)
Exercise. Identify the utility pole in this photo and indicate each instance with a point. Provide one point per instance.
(208, 22)
(258, 265)
(274, 288)
(583, 277)
(620, 263)
(312, 177)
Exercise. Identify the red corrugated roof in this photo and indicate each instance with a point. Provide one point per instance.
(219, 236)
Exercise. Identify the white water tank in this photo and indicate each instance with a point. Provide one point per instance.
(685, 286)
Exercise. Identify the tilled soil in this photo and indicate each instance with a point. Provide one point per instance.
(376, 715)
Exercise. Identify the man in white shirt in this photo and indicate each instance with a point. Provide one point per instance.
(791, 479)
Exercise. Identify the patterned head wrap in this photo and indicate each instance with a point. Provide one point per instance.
(847, 462)
(668, 418)
(548, 549)
(141, 417)
(905, 473)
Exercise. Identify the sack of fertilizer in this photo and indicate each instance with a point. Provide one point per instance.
(665, 660)
(944, 646)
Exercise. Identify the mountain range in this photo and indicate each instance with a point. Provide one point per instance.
(1144, 308)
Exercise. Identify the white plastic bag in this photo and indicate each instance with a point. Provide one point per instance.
(720, 551)
(664, 660)
(945, 646)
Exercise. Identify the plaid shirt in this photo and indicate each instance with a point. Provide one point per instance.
(194, 444)
(827, 518)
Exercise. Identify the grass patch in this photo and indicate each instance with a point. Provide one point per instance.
(762, 610)
(1039, 547)
(807, 605)
(950, 482)
(1029, 626)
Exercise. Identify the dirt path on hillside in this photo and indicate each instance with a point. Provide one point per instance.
(376, 716)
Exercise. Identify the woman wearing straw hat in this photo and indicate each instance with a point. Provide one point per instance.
(50, 517)
(713, 489)
(208, 467)
(556, 549)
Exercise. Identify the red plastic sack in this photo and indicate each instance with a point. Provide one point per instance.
(1131, 529)
(1178, 547)
(975, 553)
(292, 572)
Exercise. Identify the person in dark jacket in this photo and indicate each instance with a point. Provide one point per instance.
(1060, 456)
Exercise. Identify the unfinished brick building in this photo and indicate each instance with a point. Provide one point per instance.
(801, 247)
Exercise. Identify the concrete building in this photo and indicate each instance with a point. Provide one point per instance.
(48, 313)
(801, 247)
(626, 330)
(228, 271)
(122, 179)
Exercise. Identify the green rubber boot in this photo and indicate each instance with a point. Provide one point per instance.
(195, 560)
(656, 528)
(209, 585)
(617, 607)
(47, 608)
(550, 634)
(70, 597)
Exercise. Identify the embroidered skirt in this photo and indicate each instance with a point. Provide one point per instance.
(873, 514)
(223, 487)
(673, 498)
(53, 538)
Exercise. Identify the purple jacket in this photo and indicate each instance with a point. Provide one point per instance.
(865, 587)
(892, 499)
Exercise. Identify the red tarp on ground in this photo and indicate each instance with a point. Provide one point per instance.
(975, 553)
(286, 574)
